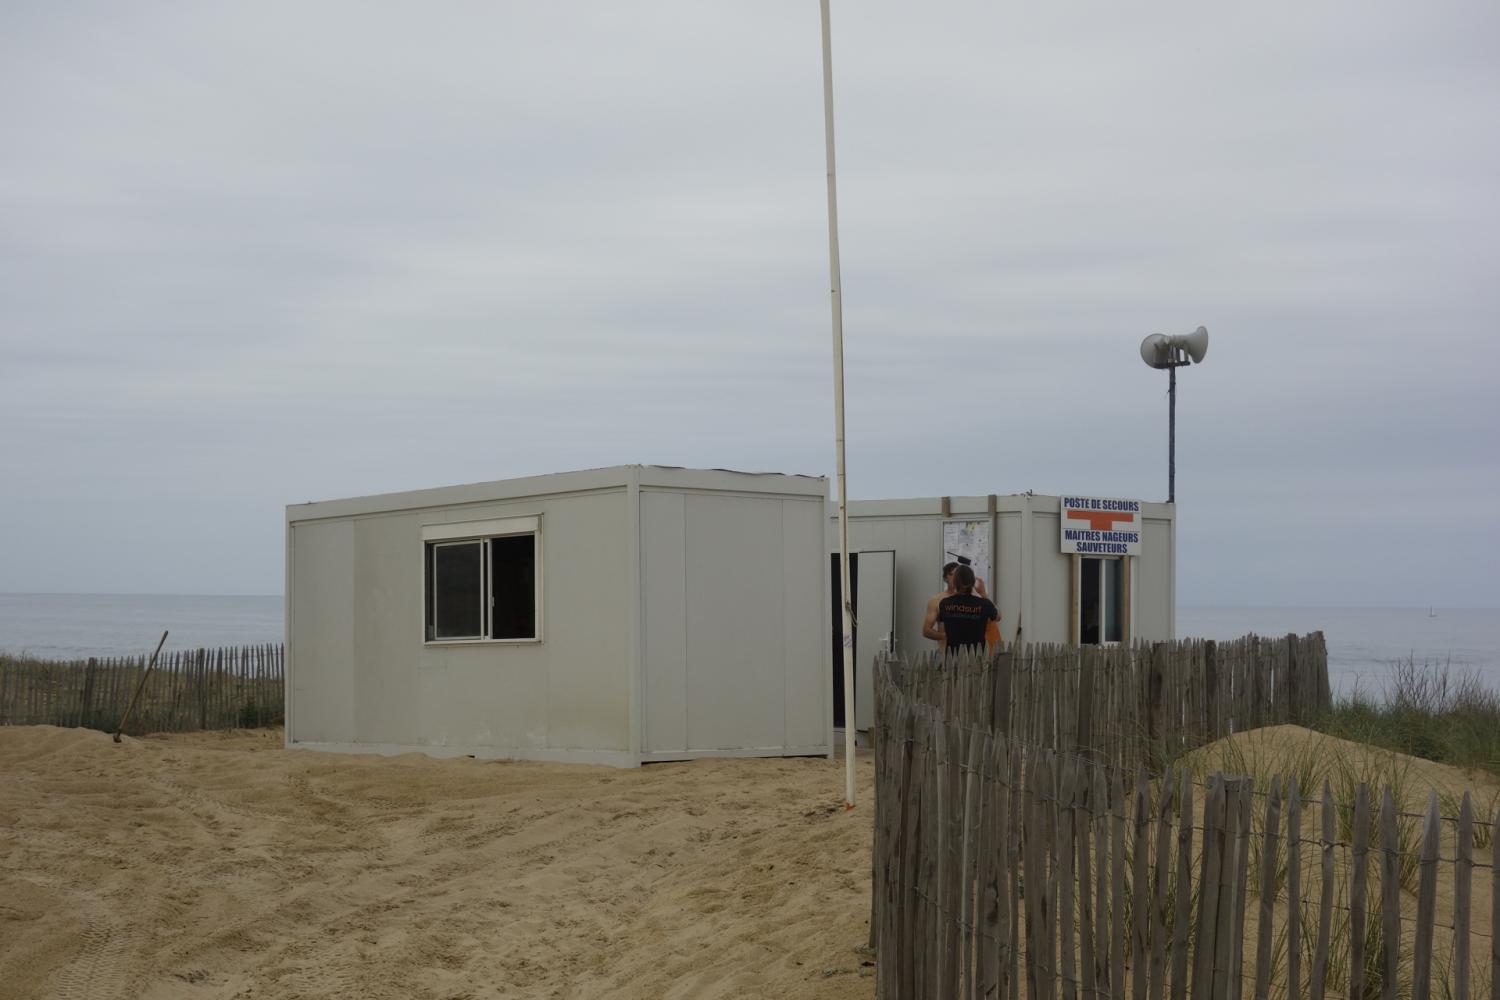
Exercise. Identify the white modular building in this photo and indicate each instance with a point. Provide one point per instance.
(615, 616)
(1076, 570)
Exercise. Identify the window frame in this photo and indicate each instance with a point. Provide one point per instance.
(483, 531)
(1105, 591)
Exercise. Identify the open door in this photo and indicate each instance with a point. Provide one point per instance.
(874, 600)
(875, 630)
(838, 633)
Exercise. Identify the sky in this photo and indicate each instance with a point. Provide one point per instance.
(259, 254)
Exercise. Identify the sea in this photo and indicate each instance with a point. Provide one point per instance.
(77, 626)
(1363, 643)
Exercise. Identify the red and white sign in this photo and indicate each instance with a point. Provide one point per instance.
(1100, 526)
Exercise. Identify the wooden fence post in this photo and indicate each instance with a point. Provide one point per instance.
(991, 891)
(1495, 907)
(1066, 814)
(1293, 681)
(1047, 857)
(1208, 890)
(1087, 918)
(1390, 893)
(1084, 742)
(1243, 808)
(969, 858)
(1184, 888)
(1325, 904)
(1357, 890)
(1099, 799)
(1269, 847)
(950, 909)
(1117, 884)
(1001, 710)
(924, 819)
(911, 902)
(1160, 901)
(201, 675)
(1255, 714)
(1140, 885)
(1463, 887)
(1211, 695)
(932, 848)
(1294, 891)
(1156, 709)
(86, 702)
(899, 883)
(879, 846)
(1011, 971)
(1421, 970)
(1033, 885)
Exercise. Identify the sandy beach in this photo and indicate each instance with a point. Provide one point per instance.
(220, 865)
(223, 866)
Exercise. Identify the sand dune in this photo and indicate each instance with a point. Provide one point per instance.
(1286, 749)
(223, 866)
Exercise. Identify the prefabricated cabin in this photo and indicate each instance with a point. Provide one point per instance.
(1075, 570)
(616, 616)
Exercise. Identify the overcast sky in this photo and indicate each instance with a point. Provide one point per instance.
(255, 254)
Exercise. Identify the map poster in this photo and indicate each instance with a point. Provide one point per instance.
(973, 540)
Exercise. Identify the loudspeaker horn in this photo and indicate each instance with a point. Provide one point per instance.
(1195, 343)
(1156, 352)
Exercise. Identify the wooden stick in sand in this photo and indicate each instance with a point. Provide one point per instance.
(139, 685)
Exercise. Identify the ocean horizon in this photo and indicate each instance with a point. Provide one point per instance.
(1363, 642)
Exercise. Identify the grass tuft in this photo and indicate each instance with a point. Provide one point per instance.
(1427, 710)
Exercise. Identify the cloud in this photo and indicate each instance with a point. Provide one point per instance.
(259, 255)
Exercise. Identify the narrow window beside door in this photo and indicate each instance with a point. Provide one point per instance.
(1101, 601)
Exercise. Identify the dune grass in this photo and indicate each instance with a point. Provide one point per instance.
(1427, 710)
(1345, 770)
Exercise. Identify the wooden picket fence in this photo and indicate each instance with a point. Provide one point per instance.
(231, 687)
(1131, 704)
(1004, 869)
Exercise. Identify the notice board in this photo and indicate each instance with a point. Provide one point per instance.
(974, 540)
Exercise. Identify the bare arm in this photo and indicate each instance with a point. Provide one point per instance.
(930, 627)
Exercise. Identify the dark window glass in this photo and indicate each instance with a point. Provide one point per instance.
(513, 577)
(457, 590)
(1089, 611)
(1114, 600)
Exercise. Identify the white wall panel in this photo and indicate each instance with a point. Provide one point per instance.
(588, 605)
(736, 664)
(1051, 577)
(1152, 589)
(804, 599)
(387, 618)
(322, 632)
(1006, 592)
(664, 609)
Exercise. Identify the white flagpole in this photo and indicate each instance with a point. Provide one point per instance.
(835, 281)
